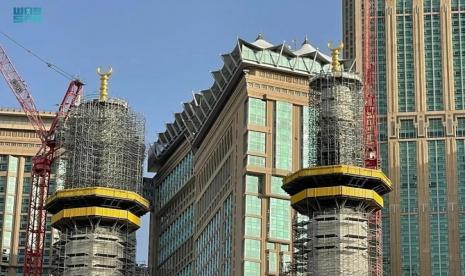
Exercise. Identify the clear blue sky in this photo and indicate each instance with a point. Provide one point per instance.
(160, 51)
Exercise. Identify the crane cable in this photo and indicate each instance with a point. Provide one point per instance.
(49, 64)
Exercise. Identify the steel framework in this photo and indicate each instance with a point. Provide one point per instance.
(42, 162)
(370, 120)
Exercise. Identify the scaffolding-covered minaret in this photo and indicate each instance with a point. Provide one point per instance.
(100, 205)
(336, 197)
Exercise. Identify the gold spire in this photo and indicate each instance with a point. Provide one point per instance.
(104, 83)
(336, 65)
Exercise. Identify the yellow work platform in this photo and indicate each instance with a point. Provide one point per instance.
(97, 196)
(104, 215)
(345, 175)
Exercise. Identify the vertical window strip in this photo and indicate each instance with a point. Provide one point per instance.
(460, 156)
(283, 136)
(460, 132)
(280, 219)
(410, 253)
(462, 240)
(438, 203)
(408, 177)
(405, 70)
(381, 96)
(458, 44)
(256, 112)
(433, 63)
(409, 208)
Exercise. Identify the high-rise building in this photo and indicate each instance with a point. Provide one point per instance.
(99, 208)
(18, 144)
(338, 231)
(217, 203)
(421, 106)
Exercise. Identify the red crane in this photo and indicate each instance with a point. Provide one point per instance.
(42, 162)
(370, 121)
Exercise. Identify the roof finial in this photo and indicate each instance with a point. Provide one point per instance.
(104, 83)
(336, 65)
(306, 40)
(260, 36)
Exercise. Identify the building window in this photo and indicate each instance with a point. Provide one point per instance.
(251, 268)
(460, 132)
(283, 136)
(252, 227)
(256, 161)
(435, 128)
(407, 129)
(276, 183)
(408, 177)
(27, 164)
(256, 112)
(272, 262)
(253, 205)
(253, 183)
(433, 68)
(3, 162)
(458, 44)
(252, 249)
(256, 142)
(409, 240)
(280, 219)
(405, 70)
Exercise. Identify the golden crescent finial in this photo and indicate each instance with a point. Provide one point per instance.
(336, 66)
(108, 73)
(104, 83)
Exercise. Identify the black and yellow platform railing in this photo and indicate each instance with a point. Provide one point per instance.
(109, 205)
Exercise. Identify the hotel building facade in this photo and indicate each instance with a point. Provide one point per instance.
(217, 203)
(421, 106)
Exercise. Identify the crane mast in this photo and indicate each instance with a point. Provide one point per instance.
(370, 120)
(42, 162)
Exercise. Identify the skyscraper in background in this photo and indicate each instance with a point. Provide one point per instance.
(218, 206)
(18, 144)
(421, 104)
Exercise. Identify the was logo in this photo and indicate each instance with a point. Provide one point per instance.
(27, 14)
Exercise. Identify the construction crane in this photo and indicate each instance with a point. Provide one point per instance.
(42, 162)
(370, 118)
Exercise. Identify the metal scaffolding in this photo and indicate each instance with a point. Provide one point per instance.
(333, 242)
(340, 235)
(104, 142)
(336, 105)
(97, 250)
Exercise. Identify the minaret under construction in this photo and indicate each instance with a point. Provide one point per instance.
(337, 230)
(100, 205)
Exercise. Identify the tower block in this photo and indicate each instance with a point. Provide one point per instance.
(99, 206)
(336, 197)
